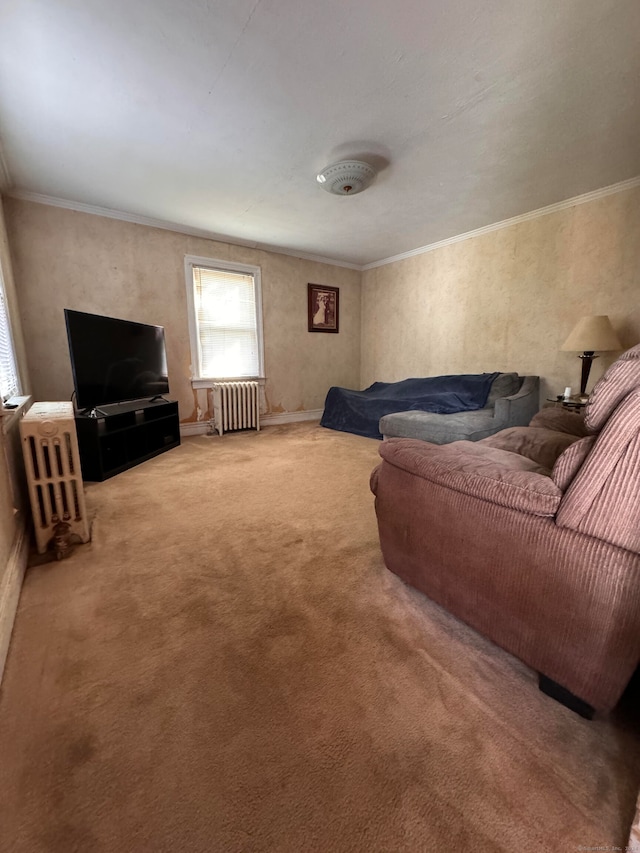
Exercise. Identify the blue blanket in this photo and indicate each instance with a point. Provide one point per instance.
(359, 411)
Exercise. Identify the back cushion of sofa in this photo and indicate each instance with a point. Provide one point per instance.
(619, 380)
(603, 499)
(504, 385)
(569, 463)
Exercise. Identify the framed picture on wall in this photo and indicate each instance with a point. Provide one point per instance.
(323, 308)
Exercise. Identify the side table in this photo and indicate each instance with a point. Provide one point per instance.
(575, 405)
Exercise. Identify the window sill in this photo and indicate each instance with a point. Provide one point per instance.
(12, 416)
(208, 383)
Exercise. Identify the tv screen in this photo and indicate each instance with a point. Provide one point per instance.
(115, 360)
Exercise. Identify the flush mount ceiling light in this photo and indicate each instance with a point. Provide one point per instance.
(347, 177)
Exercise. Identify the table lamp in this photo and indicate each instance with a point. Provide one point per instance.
(588, 335)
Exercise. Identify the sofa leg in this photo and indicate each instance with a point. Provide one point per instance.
(565, 697)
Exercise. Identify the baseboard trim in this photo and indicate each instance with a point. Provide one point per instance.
(274, 419)
(290, 417)
(10, 588)
(196, 428)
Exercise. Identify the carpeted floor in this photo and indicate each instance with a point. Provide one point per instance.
(229, 667)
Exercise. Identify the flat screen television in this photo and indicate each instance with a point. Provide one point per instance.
(115, 360)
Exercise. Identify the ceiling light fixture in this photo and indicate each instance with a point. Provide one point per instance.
(347, 177)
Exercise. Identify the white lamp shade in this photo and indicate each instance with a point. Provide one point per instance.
(592, 334)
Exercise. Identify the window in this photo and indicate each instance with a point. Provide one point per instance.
(9, 379)
(225, 319)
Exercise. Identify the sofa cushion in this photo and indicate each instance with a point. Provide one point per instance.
(504, 385)
(541, 445)
(621, 378)
(561, 420)
(438, 429)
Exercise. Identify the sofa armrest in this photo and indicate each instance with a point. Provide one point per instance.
(486, 473)
(518, 409)
(559, 419)
(543, 446)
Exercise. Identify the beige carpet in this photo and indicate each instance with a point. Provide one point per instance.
(229, 667)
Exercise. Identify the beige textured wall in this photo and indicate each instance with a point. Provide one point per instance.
(508, 299)
(65, 259)
(502, 301)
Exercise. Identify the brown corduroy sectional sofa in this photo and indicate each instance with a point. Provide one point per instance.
(532, 536)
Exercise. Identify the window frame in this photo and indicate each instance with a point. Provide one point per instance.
(4, 299)
(192, 261)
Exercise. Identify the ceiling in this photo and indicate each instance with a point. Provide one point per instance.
(217, 115)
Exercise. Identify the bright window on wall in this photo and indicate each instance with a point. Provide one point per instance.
(9, 379)
(225, 319)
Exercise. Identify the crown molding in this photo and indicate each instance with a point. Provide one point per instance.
(136, 219)
(506, 223)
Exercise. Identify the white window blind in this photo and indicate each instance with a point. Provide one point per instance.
(226, 314)
(9, 380)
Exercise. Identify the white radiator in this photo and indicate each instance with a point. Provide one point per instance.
(52, 465)
(235, 406)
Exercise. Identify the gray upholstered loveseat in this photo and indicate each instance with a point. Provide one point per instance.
(513, 401)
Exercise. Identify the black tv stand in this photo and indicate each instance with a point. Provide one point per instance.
(116, 437)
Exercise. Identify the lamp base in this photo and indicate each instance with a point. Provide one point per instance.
(587, 358)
